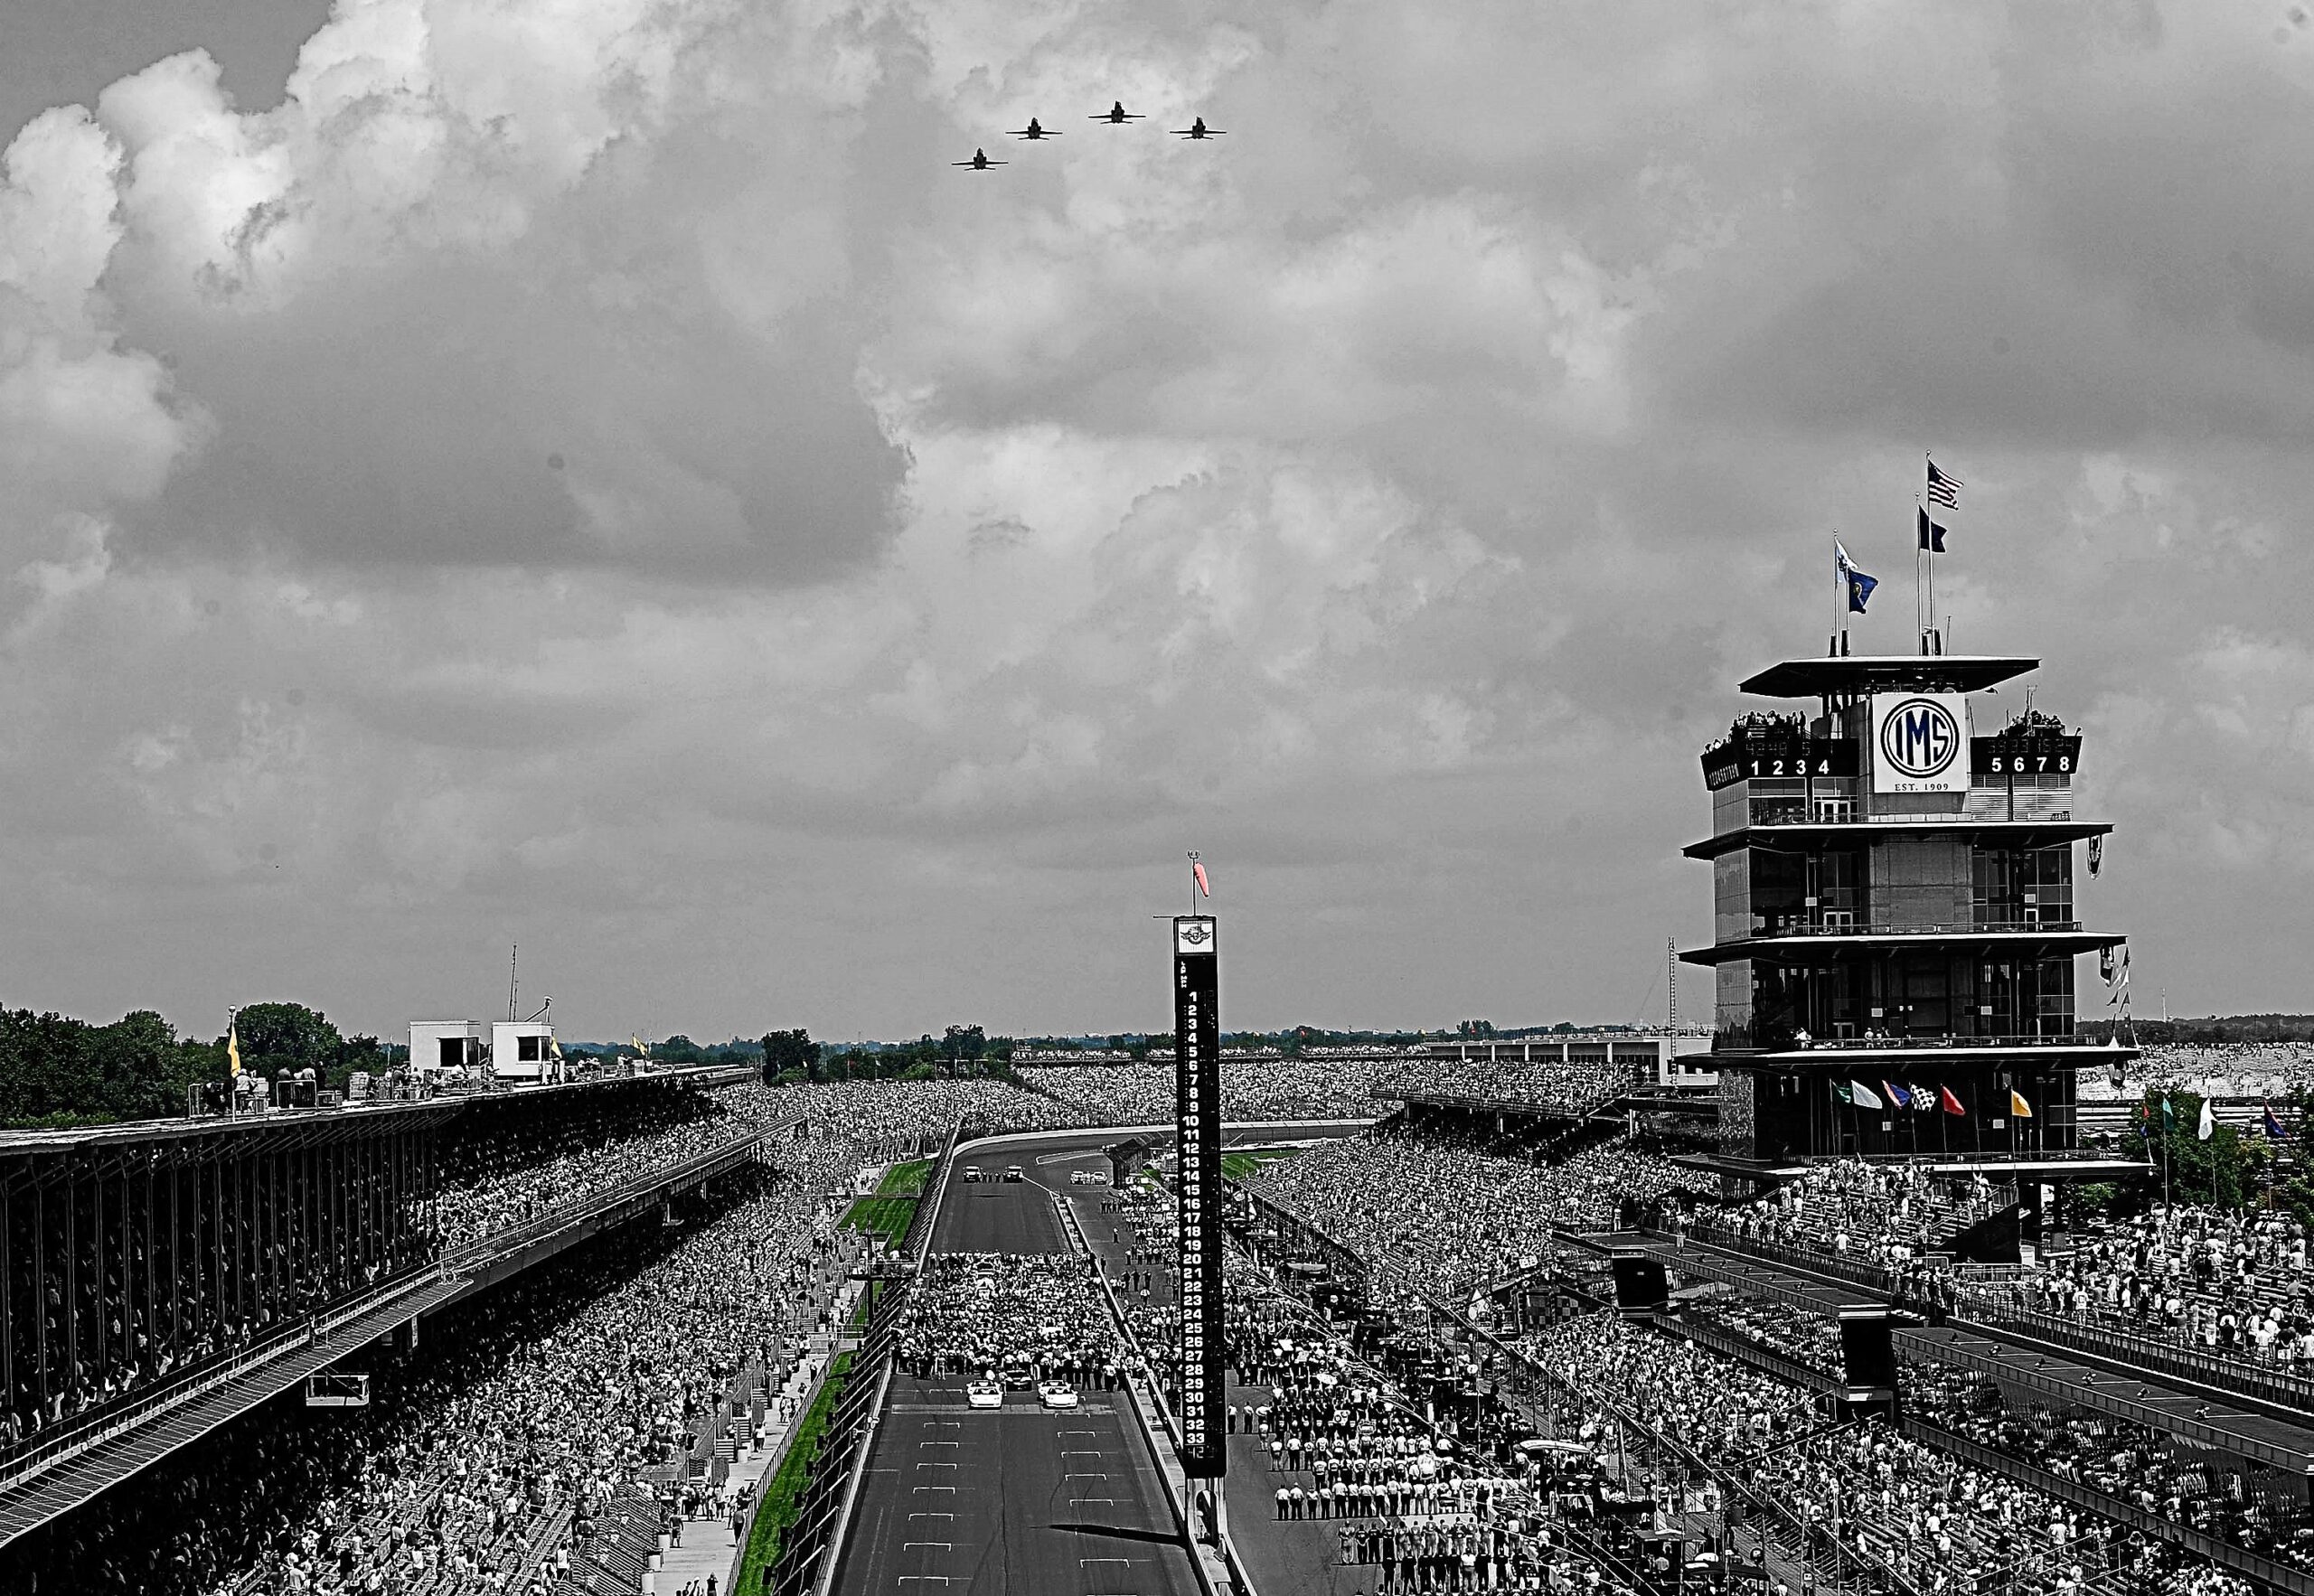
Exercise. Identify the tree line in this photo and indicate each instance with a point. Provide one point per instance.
(962, 1051)
(56, 1071)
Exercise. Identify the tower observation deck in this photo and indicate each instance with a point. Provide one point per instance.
(1895, 936)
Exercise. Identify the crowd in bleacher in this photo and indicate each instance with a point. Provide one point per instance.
(539, 1171)
(896, 1118)
(1273, 1088)
(2233, 1283)
(492, 1458)
(1806, 1338)
(1413, 1497)
(1435, 1214)
(1894, 1503)
(1570, 1086)
(519, 1168)
(1878, 1213)
(2262, 1510)
(2272, 1071)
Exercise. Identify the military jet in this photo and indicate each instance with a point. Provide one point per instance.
(1033, 130)
(980, 162)
(1198, 129)
(1116, 114)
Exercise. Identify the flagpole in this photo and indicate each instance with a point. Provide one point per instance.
(1921, 606)
(1840, 598)
(1929, 624)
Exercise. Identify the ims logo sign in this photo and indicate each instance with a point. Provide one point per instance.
(1918, 741)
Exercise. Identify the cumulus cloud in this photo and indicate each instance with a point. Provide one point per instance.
(589, 472)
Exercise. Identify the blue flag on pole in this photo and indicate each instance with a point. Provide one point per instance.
(1859, 586)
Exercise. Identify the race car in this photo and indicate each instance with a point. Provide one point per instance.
(984, 1394)
(1056, 1393)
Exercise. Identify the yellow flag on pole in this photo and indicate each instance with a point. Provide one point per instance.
(2017, 1105)
(233, 1048)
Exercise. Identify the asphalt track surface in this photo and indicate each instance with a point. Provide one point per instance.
(1016, 1498)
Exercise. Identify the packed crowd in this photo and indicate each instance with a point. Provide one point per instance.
(2260, 1510)
(2235, 1284)
(1428, 1508)
(493, 1457)
(500, 1171)
(1920, 1514)
(512, 1181)
(2228, 1283)
(1807, 1339)
(1273, 1088)
(2273, 1071)
(902, 1118)
(1889, 1500)
(1435, 1214)
(1030, 1316)
(1573, 1087)
(1886, 1214)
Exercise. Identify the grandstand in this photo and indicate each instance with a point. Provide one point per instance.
(161, 1279)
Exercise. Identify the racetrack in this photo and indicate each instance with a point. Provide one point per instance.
(1018, 1498)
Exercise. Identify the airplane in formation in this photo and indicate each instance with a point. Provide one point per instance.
(1117, 116)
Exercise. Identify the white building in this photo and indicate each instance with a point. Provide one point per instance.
(456, 1045)
(523, 1050)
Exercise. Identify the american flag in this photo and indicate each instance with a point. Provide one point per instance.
(1943, 489)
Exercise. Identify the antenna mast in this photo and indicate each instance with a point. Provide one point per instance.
(514, 963)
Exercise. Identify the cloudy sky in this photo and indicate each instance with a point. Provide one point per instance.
(588, 473)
